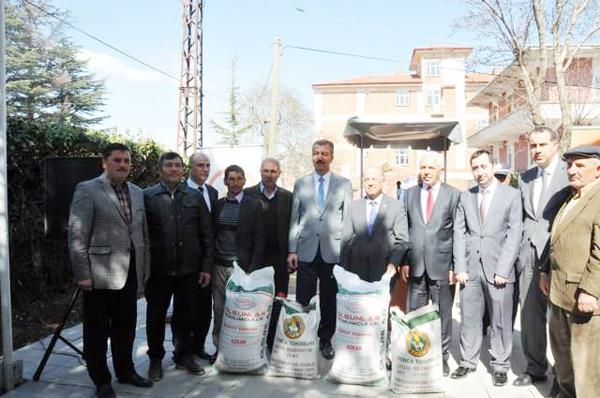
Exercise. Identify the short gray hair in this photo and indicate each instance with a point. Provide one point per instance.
(271, 160)
(544, 129)
(435, 156)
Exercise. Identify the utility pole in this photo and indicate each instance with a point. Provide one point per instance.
(189, 126)
(11, 371)
(270, 141)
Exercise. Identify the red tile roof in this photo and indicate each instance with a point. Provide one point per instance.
(472, 78)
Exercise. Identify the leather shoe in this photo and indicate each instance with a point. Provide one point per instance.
(527, 379)
(211, 358)
(388, 364)
(499, 378)
(188, 364)
(327, 350)
(461, 372)
(136, 380)
(446, 368)
(105, 391)
(155, 371)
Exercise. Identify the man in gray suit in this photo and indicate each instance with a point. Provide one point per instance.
(319, 205)
(487, 234)
(431, 208)
(375, 234)
(540, 189)
(109, 248)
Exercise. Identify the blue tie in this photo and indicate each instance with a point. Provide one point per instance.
(321, 194)
(372, 216)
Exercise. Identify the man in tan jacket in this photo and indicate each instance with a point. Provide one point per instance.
(571, 277)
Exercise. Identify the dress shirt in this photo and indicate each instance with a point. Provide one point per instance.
(489, 197)
(192, 184)
(377, 203)
(326, 181)
(272, 194)
(435, 191)
(575, 199)
(537, 185)
(238, 198)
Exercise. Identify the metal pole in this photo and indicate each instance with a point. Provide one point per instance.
(7, 344)
(274, 98)
(445, 166)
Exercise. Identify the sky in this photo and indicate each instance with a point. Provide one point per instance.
(140, 99)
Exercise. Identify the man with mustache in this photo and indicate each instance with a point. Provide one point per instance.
(570, 277)
(320, 204)
(487, 233)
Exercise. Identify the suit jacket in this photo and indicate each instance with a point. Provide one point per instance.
(537, 226)
(574, 260)
(250, 237)
(100, 239)
(312, 228)
(368, 255)
(431, 244)
(496, 243)
(284, 210)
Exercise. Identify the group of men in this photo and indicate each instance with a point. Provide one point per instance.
(176, 240)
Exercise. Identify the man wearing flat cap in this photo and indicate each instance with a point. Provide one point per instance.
(571, 278)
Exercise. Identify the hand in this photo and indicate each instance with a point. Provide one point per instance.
(586, 302)
(451, 278)
(292, 262)
(85, 284)
(204, 279)
(391, 270)
(500, 281)
(405, 272)
(462, 277)
(545, 283)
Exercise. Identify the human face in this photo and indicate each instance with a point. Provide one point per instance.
(483, 170)
(171, 171)
(582, 172)
(200, 168)
(235, 183)
(269, 173)
(542, 148)
(117, 166)
(373, 181)
(322, 158)
(430, 172)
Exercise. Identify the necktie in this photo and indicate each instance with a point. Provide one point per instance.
(201, 190)
(372, 215)
(429, 208)
(483, 205)
(542, 189)
(321, 193)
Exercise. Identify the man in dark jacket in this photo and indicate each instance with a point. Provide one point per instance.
(181, 245)
(239, 237)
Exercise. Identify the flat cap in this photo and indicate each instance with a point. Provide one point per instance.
(586, 151)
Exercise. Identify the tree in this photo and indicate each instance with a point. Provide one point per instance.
(294, 130)
(232, 131)
(535, 34)
(46, 81)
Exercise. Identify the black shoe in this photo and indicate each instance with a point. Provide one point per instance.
(446, 368)
(388, 364)
(499, 378)
(105, 391)
(211, 358)
(527, 379)
(188, 364)
(136, 380)
(555, 390)
(327, 350)
(155, 371)
(461, 372)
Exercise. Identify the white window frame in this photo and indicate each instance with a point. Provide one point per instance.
(433, 97)
(482, 123)
(402, 157)
(402, 97)
(431, 67)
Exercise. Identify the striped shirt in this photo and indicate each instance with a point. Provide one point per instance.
(124, 199)
(227, 225)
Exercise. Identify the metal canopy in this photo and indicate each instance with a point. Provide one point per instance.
(433, 135)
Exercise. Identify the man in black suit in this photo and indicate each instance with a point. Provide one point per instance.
(375, 234)
(277, 207)
(429, 269)
(239, 236)
(199, 165)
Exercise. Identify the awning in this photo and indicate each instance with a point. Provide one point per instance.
(433, 135)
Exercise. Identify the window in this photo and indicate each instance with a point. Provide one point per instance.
(481, 124)
(433, 97)
(596, 85)
(431, 67)
(402, 157)
(401, 97)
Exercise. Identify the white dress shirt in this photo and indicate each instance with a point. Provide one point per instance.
(272, 194)
(435, 190)
(537, 184)
(326, 181)
(192, 184)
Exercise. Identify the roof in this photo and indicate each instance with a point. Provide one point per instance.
(399, 78)
(436, 51)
